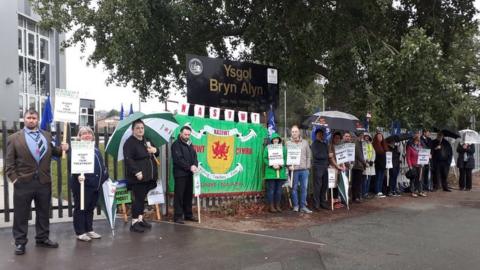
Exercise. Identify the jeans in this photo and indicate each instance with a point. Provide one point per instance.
(274, 190)
(393, 178)
(300, 177)
(379, 175)
(366, 185)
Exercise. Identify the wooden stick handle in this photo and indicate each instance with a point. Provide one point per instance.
(124, 210)
(157, 211)
(82, 192)
(198, 210)
(65, 127)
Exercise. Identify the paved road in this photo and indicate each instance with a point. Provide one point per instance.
(441, 233)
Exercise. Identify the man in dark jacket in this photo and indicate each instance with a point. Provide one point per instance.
(29, 154)
(465, 164)
(320, 170)
(441, 158)
(184, 166)
(359, 166)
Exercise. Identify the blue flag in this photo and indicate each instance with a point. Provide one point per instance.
(131, 109)
(121, 112)
(271, 126)
(47, 115)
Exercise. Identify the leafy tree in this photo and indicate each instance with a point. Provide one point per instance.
(383, 56)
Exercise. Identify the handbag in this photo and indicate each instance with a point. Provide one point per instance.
(411, 173)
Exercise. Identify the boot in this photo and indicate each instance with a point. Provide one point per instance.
(272, 208)
(277, 206)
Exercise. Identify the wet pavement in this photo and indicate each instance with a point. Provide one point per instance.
(441, 233)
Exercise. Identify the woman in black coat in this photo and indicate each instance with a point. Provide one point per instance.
(83, 219)
(141, 172)
(465, 164)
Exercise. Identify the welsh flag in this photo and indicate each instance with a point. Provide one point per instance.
(343, 187)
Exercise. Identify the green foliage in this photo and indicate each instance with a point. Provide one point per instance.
(411, 60)
(113, 113)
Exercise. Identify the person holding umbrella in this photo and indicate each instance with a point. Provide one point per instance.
(141, 172)
(465, 164)
(442, 154)
(83, 219)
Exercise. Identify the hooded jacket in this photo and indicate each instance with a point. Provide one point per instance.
(270, 172)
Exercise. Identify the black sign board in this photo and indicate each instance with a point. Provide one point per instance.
(235, 85)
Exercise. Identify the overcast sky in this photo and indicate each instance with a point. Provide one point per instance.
(90, 81)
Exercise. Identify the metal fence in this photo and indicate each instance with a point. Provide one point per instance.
(62, 201)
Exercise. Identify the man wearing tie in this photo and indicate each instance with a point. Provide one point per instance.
(29, 153)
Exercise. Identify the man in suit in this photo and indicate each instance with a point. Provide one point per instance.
(29, 153)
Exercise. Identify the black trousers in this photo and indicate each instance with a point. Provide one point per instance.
(139, 192)
(83, 219)
(357, 178)
(182, 201)
(23, 194)
(465, 180)
(441, 172)
(320, 186)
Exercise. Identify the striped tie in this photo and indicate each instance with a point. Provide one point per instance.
(40, 146)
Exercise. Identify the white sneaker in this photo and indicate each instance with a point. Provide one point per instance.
(84, 237)
(94, 235)
(295, 209)
(380, 195)
(306, 210)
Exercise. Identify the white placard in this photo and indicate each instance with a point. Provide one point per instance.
(255, 118)
(389, 160)
(83, 156)
(423, 156)
(229, 115)
(275, 154)
(214, 113)
(199, 111)
(183, 110)
(332, 178)
(197, 188)
(242, 117)
(294, 154)
(67, 106)
(156, 196)
(345, 153)
(272, 75)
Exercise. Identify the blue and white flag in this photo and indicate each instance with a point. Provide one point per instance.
(121, 112)
(271, 126)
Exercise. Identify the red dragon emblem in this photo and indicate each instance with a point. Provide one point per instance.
(220, 150)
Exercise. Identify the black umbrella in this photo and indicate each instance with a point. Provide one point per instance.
(448, 133)
(336, 120)
(399, 137)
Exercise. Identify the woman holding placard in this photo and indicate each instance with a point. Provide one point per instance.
(141, 172)
(83, 219)
(413, 150)
(274, 156)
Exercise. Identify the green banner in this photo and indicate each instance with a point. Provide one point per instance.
(229, 155)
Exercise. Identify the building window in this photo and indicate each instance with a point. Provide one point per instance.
(21, 106)
(44, 49)
(33, 64)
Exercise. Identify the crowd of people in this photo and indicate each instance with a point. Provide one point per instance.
(370, 176)
(30, 151)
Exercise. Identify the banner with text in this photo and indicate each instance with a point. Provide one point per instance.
(229, 155)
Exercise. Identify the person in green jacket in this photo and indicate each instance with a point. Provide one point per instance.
(275, 176)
